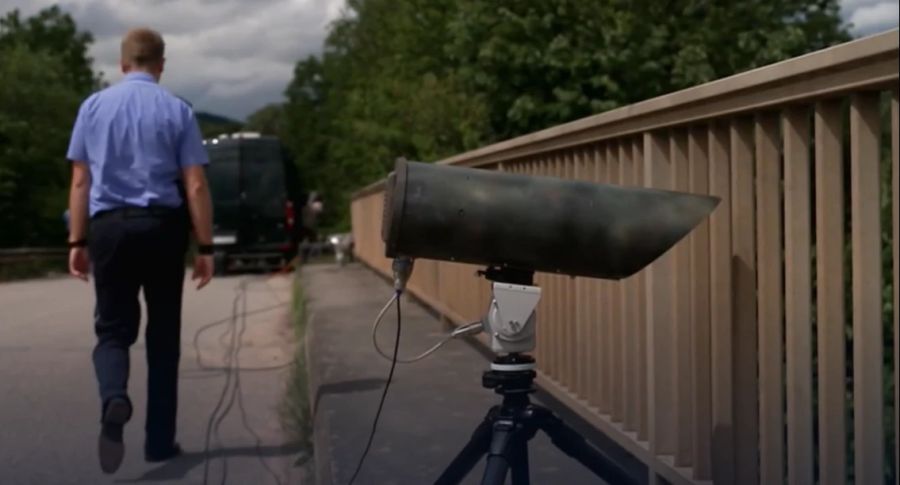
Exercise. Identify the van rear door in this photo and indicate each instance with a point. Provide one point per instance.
(262, 172)
(224, 181)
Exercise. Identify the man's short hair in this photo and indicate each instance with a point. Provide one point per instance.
(143, 47)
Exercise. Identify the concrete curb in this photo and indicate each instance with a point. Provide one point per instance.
(320, 424)
(321, 453)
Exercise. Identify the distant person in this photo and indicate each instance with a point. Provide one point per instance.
(132, 144)
(309, 234)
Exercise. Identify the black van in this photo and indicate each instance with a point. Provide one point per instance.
(252, 188)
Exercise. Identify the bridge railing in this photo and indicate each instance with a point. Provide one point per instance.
(729, 359)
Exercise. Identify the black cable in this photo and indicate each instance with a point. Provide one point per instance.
(212, 417)
(233, 351)
(213, 324)
(240, 400)
(232, 391)
(383, 394)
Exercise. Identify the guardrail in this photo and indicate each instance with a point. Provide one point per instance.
(725, 360)
(15, 255)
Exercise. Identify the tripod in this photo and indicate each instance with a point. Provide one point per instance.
(504, 433)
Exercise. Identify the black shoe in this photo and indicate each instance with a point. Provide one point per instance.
(110, 447)
(172, 452)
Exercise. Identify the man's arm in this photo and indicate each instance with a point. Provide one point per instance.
(200, 206)
(79, 263)
(78, 201)
(191, 158)
(199, 202)
(81, 177)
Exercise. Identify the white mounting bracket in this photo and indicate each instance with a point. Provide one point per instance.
(511, 319)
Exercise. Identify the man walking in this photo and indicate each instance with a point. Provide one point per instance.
(132, 145)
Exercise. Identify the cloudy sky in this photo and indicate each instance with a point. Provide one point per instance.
(234, 56)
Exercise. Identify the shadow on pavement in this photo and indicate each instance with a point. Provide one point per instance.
(179, 467)
(346, 387)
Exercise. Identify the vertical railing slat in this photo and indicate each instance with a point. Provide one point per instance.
(605, 347)
(798, 296)
(582, 351)
(558, 304)
(628, 315)
(551, 301)
(769, 305)
(744, 279)
(545, 344)
(598, 384)
(614, 310)
(534, 168)
(660, 322)
(681, 302)
(829, 201)
(639, 287)
(698, 158)
(571, 302)
(865, 185)
(567, 321)
(596, 357)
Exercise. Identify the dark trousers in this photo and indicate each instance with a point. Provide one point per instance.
(131, 251)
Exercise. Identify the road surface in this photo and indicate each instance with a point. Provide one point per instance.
(49, 409)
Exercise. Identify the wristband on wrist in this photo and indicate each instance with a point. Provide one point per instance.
(78, 244)
(205, 249)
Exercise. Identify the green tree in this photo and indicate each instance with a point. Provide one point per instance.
(37, 109)
(268, 120)
(54, 32)
(383, 88)
(426, 79)
(45, 72)
(545, 63)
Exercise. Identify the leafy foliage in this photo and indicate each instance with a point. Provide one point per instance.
(44, 74)
(52, 31)
(426, 79)
(268, 120)
(544, 63)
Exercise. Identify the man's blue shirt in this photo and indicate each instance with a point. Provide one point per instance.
(136, 137)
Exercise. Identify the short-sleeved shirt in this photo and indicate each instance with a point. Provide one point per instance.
(136, 137)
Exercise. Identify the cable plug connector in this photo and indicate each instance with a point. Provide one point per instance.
(469, 329)
(402, 267)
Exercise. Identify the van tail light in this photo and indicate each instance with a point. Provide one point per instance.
(289, 215)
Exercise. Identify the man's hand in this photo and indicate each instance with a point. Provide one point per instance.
(203, 269)
(79, 263)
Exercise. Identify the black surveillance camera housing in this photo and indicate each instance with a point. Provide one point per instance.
(532, 223)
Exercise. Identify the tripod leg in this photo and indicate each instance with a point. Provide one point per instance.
(519, 457)
(573, 444)
(498, 455)
(463, 463)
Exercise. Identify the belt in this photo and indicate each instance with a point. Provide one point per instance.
(130, 212)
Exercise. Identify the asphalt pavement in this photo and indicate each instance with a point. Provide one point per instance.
(228, 422)
(432, 406)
